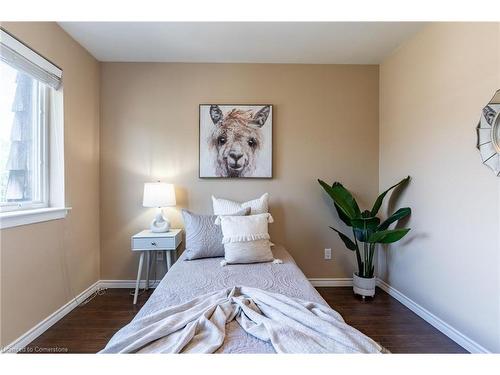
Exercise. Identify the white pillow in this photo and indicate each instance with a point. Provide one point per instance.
(244, 228)
(229, 207)
(247, 252)
(246, 238)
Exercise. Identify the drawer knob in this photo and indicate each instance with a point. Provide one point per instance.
(153, 243)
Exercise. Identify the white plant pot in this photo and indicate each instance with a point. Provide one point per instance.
(363, 286)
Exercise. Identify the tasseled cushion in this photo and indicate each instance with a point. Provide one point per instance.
(246, 239)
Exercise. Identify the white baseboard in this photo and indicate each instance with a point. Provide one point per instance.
(439, 324)
(433, 320)
(430, 318)
(126, 284)
(49, 321)
(326, 282)
(26, 338)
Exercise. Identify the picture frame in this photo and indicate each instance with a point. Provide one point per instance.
(235, 140)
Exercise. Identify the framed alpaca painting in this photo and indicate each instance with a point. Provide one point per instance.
(236, 141)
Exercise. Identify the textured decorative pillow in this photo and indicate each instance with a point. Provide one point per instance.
(246, 238)
(248, 252)
(203, 237)
(229, 207)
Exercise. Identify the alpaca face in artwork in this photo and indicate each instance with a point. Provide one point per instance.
(237, 139)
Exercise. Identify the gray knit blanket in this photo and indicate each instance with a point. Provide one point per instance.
(291, 325)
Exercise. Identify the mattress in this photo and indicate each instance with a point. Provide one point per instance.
(188, 279)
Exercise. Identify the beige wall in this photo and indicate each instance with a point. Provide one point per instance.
(44, 265)
(325, 126)
(431, 94)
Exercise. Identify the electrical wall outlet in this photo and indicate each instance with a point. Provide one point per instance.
(159, 256)
(328, 254)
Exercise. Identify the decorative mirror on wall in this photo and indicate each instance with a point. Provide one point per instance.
(488, 134)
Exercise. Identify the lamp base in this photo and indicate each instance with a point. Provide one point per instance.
(159, 224)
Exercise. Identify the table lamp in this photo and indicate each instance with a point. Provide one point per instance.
(159, 194)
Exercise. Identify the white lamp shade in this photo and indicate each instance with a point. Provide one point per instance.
(158, 194)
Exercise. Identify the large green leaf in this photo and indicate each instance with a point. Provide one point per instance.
(388, 236)
(380, 199)
(343, 216)
(398, 215)
(364, 227)
(342, 198)
(347, 241)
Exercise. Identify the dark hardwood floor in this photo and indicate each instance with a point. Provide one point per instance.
(388, 322)
(88, 328)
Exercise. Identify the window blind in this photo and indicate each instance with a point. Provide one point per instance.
(21, 57)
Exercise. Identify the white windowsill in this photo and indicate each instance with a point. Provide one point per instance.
(25, 217)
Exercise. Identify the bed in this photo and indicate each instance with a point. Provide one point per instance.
(187, 281)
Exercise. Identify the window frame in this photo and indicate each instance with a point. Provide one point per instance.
(52, 205)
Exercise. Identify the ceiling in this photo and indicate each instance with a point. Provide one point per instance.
(240, 42)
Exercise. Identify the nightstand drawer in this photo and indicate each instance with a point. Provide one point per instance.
(153, 243)
(147, 240)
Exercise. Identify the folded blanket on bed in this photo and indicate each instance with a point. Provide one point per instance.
(291, 325)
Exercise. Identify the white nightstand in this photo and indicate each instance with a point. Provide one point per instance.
(147, 242)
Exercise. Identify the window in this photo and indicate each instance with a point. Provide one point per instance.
(23, 141)
(31, 136)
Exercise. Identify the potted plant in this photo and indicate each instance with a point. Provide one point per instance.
(367, 231)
